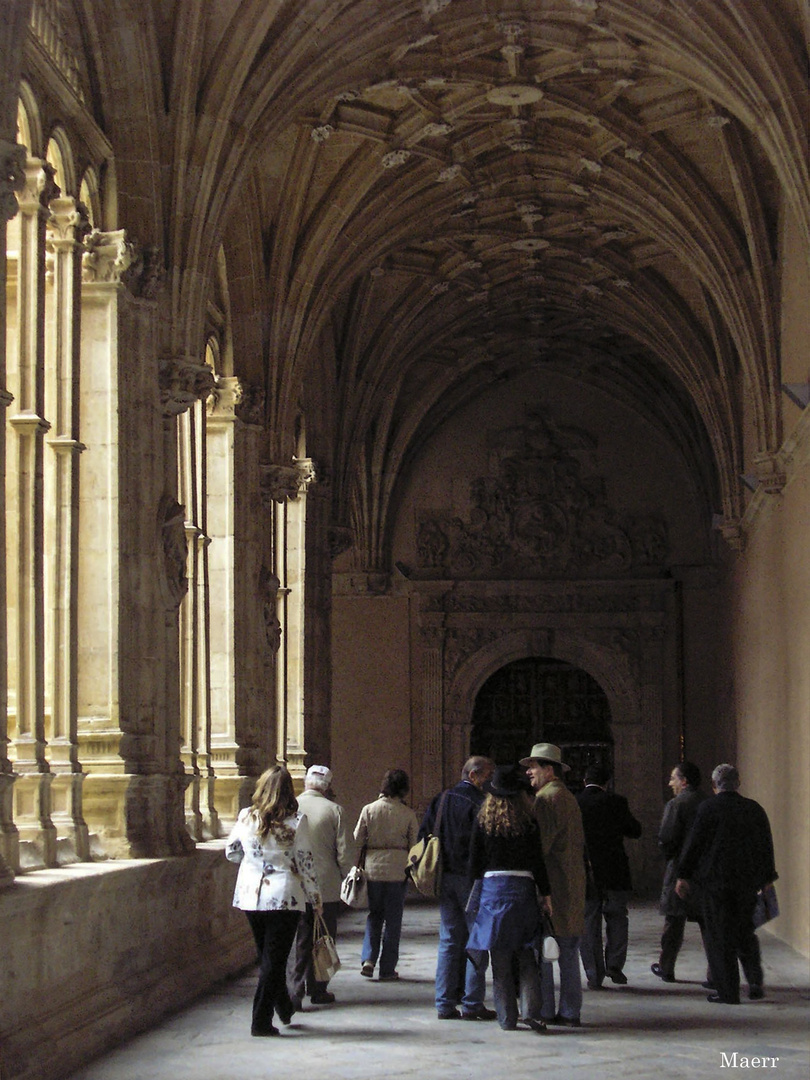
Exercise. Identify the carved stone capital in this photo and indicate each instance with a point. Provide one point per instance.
(224, 398)
(280, 483)
(182, 382)
(731, 531)
(39, 187)
(68, 223)
(250, 407)
(106, 256)
(770, 472)
(12, 177)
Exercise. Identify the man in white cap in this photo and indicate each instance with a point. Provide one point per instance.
(563, 840)
(333, 850)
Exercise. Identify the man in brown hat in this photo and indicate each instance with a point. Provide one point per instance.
(563, 842)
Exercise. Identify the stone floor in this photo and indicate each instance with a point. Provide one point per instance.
(644, 1030)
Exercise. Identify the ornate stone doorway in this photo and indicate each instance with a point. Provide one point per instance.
(542, 699)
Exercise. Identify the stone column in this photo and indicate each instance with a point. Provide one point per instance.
(67, 227)
(12, 178)
(32, 791)
(224, 780)
(107, 256)
(284, 488)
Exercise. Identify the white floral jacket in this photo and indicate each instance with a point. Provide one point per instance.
(274, 874)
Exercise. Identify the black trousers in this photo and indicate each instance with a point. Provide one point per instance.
(274, 933)
(671, 941)
(301, 978)
(728, 923)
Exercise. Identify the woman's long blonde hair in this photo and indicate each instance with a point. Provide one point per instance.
(508, 815)
(273, 802)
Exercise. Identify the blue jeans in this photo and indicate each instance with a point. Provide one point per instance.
(570, 982)
(506, 965)
(457, 979)
(386, 901)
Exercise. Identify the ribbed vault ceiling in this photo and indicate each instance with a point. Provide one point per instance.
(450, 190)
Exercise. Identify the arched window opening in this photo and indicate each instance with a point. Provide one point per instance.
(90, 198)
(541, 699)
(59, 157)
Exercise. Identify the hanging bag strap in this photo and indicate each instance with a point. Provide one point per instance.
(438, 822)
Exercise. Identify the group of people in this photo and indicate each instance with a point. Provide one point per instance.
(530, 873)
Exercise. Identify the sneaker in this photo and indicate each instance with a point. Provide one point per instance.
(664, 976)
(389, 978)
(367, 969)
(538, 1026)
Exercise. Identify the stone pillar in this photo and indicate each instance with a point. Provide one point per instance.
(284, 489)
(12, 179)
(107, 256)
(220, 607)
(66, 228)
(27, 422)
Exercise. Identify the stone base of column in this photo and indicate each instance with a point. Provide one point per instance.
(155, 818)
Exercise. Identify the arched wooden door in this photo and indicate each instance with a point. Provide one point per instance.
(540, 699)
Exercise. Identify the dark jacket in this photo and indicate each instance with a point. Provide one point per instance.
(676, 824)
(455, 830)
(524, 852)
(606, 819)
(730, 846)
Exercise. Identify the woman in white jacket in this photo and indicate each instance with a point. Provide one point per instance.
(276, 878)
(387, 830)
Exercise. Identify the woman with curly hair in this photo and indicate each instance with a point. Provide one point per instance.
(506, 854)
(276, 878)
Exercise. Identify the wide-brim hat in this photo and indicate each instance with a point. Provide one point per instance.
(506, 782)
(545, 752)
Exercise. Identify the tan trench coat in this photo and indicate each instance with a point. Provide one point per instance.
(563, 839)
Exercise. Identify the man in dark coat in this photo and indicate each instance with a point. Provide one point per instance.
(458, 981)
(607, 820)
(676, 824)
(729, 855)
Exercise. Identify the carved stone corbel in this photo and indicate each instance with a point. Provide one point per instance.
(106, 257)
(770, 472)
(269, 586)
(280, 483)
(145, 274)
(339, 538)
(183, 382)
(12, 177)
(250, 407)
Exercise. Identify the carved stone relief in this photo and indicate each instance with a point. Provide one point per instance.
(268, 591)
(173, 551)
(250, 407)
(541, 512)
(182, 382)
(12, 177)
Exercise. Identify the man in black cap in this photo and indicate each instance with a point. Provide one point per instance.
(607, 820)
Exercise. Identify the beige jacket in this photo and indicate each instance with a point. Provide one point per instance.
(563, 839)
(389, 828)
(330, 840)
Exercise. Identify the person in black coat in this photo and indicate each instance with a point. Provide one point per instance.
(607, 820)
(729, 855)
(676, 825)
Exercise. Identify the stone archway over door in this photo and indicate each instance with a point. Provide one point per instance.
(624, 634)
(542, 699)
